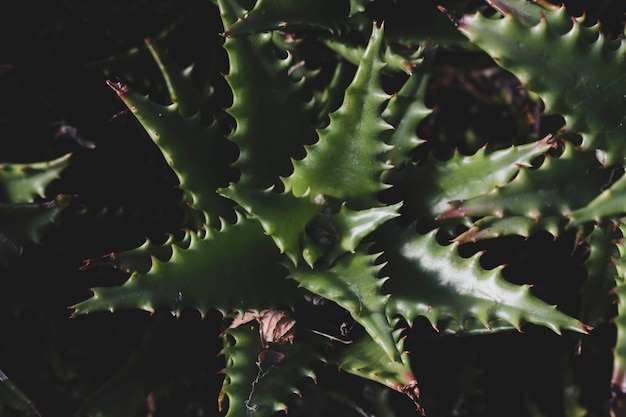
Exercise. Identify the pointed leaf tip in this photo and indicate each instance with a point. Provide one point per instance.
(456, 19)
(119, 87)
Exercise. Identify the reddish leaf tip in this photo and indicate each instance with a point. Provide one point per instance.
(119, 87)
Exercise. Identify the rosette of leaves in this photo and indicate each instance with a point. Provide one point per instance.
(327, 196)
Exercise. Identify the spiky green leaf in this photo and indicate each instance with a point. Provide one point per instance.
(366, 359)
(394, 62)
(430, 188)
(284, 217)
(353, 283)
(434, 281)
(19, 183)
(611, 202)
(263, 93)
(198, 154)
(331, 235)
(491, 227)
(406, 110)
(352, 226)
(346, 163)
(546, 191)
(576, 70)
(231, 269)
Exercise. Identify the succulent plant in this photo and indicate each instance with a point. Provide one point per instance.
(320, 223)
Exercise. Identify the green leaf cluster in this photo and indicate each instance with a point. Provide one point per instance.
(314, 176)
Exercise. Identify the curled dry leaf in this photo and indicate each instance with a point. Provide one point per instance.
(275, 326)
(244, 318)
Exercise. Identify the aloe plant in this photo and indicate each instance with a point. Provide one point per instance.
(319, 224)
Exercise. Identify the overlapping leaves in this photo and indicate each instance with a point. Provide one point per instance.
(310, 209)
